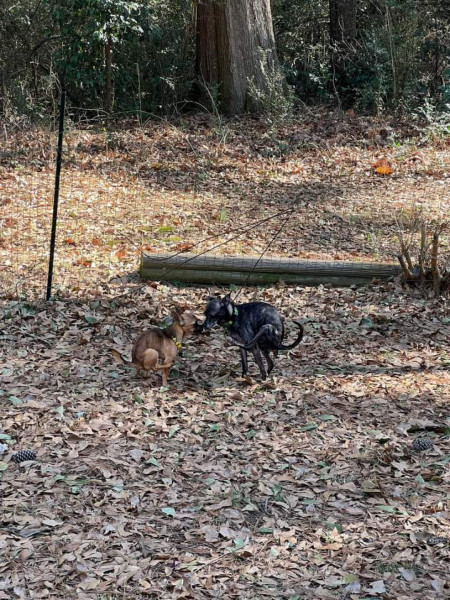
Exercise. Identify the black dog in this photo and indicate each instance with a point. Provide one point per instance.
(254, 326)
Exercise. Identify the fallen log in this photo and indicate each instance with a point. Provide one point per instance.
(224, 270)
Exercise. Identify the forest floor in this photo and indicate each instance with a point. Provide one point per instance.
(305, 486)
(346, 185)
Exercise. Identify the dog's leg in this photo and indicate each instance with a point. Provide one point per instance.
(165, 376)
(244, 361)
(270, 364)
(259, 361)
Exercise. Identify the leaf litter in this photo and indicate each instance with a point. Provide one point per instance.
(167, 187)
(304, 486)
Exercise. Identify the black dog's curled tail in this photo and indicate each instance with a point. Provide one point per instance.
(264, 329)
(297, 341)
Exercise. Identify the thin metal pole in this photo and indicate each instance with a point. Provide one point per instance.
(56, 195)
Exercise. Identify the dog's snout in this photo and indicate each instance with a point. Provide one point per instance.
(209, 323)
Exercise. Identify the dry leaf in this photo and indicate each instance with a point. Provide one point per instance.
(383, 167)
(377, 587)
(183, 247)
(84, 262)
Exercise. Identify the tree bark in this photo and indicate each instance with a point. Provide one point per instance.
(342, 21)
(235, 45)
(342, 37)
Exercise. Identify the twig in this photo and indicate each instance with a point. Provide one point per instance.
(437, 279)
(423, 250)
(405, 247)
(405, 250)
(406, 270)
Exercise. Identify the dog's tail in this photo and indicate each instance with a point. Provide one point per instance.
(295, 342)
(266, 328)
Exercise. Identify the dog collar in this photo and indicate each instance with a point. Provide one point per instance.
(230, 322)
(178, 344)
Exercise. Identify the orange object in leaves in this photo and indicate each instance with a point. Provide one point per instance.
(383, 167)
(183, 247)
(84, 262)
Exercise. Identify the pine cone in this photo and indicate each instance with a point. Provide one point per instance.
(422, 444)
(23, 455)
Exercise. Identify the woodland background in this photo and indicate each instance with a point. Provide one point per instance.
(154, 56)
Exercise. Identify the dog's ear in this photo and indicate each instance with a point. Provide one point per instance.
(176, 312)
(226, 300)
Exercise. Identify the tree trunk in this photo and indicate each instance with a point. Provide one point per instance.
(342, 37)
(342, 21)
(235, 45)
(108, 68)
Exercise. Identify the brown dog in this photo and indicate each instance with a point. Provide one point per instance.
(156, 349)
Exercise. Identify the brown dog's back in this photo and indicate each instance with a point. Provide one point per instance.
(156, 349)
(153, 339)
